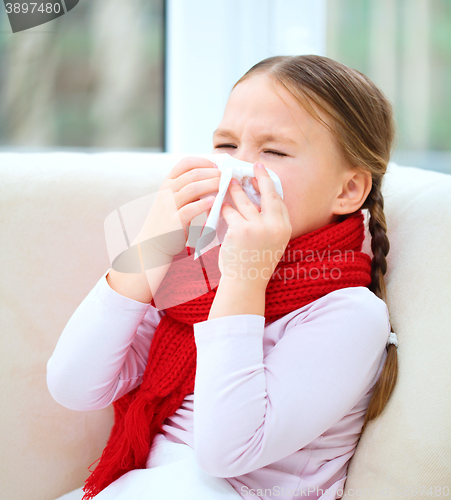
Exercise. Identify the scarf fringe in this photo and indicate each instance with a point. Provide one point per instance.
(131, 449)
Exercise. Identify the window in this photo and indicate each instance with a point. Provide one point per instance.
(404, 46)
(92, 78)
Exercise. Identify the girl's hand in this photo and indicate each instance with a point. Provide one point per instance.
(256, 239)
(177, 203)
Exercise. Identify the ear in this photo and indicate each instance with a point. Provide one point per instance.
(353, 191)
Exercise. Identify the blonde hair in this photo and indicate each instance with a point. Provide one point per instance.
(364, 128)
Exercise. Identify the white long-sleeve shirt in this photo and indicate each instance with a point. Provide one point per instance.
(275, 409)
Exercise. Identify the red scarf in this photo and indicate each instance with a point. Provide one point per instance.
(312, 266)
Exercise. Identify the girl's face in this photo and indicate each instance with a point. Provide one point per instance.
(271, 127)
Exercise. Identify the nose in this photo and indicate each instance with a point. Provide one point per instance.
(244, 155)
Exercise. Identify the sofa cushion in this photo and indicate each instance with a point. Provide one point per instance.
(409, 446)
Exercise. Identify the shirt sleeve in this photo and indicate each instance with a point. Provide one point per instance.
(251, 410)
(103, 350)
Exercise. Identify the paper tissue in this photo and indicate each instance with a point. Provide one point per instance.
(243, 171)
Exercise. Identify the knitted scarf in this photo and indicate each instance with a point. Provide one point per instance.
(312, 266)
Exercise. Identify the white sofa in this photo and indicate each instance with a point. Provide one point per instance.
(54, 251)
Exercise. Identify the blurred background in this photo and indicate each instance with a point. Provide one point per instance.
(118, 75)
(91, 78)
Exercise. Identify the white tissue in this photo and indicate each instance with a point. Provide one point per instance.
(242, 171)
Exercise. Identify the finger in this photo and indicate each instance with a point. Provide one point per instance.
(286, 216)
(188, 212)
(195, 175)
(242, 202)
(255, 184)
(286, 213)
(270, 198)
(194, 190)
(230, 215)
(189, 163)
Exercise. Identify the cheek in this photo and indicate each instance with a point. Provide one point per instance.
(303, 198)
(303, 184)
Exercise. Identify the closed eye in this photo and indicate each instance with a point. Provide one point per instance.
(265, 151)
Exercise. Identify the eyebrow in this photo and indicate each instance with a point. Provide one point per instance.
(262, 138)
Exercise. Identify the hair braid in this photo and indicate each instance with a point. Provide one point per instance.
(380, 246)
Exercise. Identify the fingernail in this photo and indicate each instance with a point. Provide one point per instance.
(260, 165)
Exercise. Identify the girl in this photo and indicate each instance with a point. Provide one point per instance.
(260, 384)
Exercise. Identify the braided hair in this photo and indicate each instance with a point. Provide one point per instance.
(364, 129)
(380, 247)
